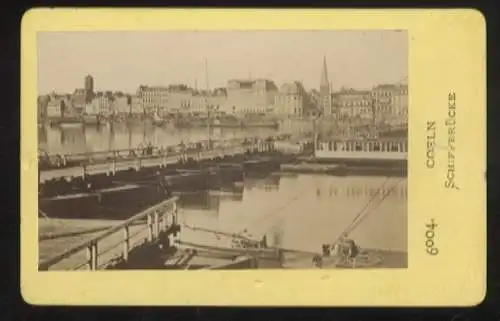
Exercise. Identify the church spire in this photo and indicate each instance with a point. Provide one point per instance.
(324, 86)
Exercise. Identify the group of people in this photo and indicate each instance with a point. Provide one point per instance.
(345, 250)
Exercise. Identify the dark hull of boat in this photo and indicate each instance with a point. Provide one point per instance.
(74, 199)
(115, 205)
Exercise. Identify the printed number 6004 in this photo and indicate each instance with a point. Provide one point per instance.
(430, 234)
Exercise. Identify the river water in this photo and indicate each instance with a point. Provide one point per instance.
(303, 211)
(80, 139)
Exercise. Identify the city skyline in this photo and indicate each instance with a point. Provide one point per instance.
(357, 59)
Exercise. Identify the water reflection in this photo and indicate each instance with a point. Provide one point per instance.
(42, 137)
(390, 190)
(210, 200)
(89, 138)
(269, 183)
(73, 138)
(277, 233)
(200, 201)
(305, 211)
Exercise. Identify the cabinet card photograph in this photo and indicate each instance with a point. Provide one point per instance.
(300, 157)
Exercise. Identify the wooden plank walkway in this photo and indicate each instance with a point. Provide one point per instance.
(97, 251)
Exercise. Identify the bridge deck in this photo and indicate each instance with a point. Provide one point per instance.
(140, 162)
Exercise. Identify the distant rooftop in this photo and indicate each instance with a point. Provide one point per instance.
(353, 91)
(390, 86)
(292, 88)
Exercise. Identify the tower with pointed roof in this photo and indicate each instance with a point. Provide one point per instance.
(324, 85)
(325, 90)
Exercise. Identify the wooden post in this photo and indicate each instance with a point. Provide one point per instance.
(164, 159)
(138, 163)
(150, 228)
(126, 242)
(281, 257)
(84, 171)
(174, 212)
(164, 221)
(174, 216)
(113, 163)
(110, 168)
(92, 256)
(156, 224)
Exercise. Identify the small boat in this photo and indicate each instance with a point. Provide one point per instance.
(249, 244)
(260, 252)
(365, 259)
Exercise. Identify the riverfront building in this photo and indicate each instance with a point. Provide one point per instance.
(180, 99)
(42, 102)
(250, 96)
(385, 103)
(101, 104)
(153, 99)
(351, 103)
(136, 105)
(89, 88)
(391, 104)
(78, 100)
(83, 96)
(217, 101)
(294, 100)
(121, 104)
(58, 105)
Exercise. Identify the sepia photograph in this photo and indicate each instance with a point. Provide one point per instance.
(222, 150)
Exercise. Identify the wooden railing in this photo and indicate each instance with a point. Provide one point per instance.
(158, 218)
(111, 166)
(64, 160)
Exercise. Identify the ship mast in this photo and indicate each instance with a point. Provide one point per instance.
(207, 106)
(206, 74)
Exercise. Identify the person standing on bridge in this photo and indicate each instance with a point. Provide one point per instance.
(149, 149)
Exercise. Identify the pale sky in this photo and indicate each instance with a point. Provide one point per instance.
(125, 60)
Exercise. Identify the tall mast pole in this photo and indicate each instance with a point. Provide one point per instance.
(206, 93)
(206, 74)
